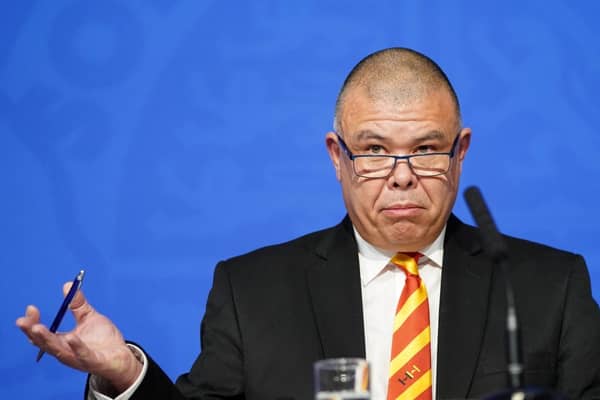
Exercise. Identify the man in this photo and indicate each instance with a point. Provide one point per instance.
(397, 149)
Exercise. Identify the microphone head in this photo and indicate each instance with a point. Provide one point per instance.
(493, 242)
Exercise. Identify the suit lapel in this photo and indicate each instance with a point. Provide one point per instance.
(335, 291)
(466, 277)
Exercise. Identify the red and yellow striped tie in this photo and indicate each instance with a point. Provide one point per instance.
(410, 367)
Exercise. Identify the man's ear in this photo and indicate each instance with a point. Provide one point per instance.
(465, 141)
(333, 148)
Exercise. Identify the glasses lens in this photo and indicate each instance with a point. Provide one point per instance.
(373, 167)
(430, 164)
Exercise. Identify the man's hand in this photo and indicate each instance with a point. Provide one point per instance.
(95, 345)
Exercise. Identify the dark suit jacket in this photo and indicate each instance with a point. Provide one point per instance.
(273, 312)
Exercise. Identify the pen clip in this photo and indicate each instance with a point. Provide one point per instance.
(79, 279)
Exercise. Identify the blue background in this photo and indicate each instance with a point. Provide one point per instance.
(146, 140)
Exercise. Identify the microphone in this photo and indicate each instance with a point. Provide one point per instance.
(494, 245)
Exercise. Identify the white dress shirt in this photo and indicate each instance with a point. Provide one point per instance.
(95, 384)
(382, 284)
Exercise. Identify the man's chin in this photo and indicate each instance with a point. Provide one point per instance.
(403, 236)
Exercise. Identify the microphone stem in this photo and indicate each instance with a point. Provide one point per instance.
(515, 366)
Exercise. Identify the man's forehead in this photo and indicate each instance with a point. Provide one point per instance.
(359, 105)
(380, 91)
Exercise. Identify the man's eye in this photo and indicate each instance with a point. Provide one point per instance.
(375, 149)
(424, 149)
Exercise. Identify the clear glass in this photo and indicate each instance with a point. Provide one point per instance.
(342, 379)
(382, 166)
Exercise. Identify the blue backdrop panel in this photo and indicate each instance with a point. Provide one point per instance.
(146, 140)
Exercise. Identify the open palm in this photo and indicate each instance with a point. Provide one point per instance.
(95, 345)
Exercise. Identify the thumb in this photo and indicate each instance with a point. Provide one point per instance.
(79, 305)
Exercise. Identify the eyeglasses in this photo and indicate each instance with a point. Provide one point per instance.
(382, 166)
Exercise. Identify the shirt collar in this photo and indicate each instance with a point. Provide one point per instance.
(376, 259)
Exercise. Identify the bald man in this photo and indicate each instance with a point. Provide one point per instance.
(397, 148)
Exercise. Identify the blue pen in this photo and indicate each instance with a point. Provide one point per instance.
(77, 282)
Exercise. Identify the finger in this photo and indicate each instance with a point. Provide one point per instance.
(32, 312)
(66, 287)
(79, 305)
(31, 317)
(50, 342)
(40, 335)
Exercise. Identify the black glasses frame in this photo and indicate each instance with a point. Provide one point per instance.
(408, 158)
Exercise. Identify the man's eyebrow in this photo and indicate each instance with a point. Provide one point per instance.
(367, 134)
(431, 135)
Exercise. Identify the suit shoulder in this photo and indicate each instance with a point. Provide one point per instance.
(301, 246)
(528, 247)
(528, 255)
(516, 246)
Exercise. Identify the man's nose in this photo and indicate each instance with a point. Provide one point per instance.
(402, 176)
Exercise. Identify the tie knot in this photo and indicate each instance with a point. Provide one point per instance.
(408, 262)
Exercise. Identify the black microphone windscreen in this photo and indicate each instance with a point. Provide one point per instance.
(492, 240)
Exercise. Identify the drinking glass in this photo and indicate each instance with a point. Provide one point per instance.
(342, 379)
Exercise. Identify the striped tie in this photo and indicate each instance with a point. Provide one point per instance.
(410, 368)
